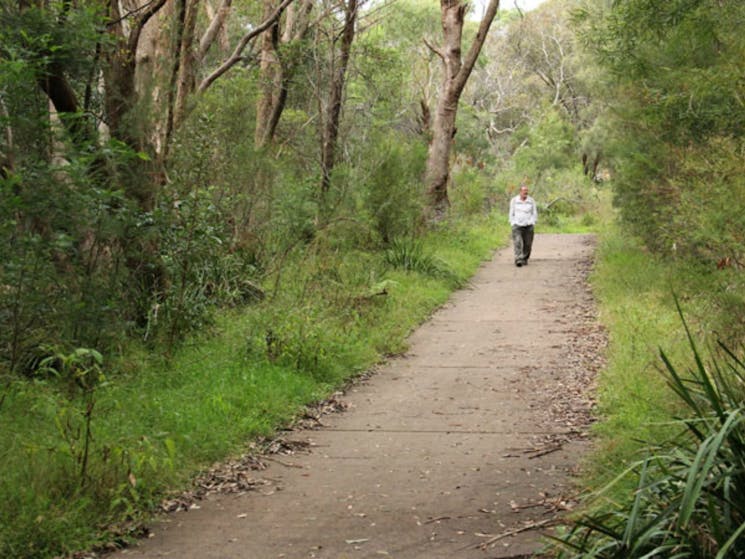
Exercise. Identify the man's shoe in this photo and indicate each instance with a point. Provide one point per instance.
(519, 263)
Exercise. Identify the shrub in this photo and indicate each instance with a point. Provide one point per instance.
(393, 190)
(409, 254)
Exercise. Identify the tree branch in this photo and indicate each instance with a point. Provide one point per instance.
(139, 24)
(130, 13)
(236, 56)
(478, 41)
(213, 29)
(434, 49)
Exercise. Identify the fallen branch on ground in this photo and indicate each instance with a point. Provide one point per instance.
(515, 531)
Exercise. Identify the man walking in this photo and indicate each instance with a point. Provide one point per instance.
(523, 215)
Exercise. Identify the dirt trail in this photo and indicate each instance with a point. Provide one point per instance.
(442, 453)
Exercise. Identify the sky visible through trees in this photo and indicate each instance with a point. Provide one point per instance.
(524, 5)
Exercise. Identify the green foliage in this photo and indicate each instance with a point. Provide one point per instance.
(157, 422)
(409, 254)
(679, 55)
(472, 192)
(567, 195)
(66, 476)
(392, 190)
(548, 144)
(547, 160)
(711, 190)
(309, 341)
(199, 249)
(633, 404)
(646, 475)
(678, 118)
(107, 248)
(61, 262)
(80, 371)
(689, 499)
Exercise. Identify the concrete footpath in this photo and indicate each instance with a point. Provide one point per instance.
(462, 448)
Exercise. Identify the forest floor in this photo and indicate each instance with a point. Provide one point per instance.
(465, 447)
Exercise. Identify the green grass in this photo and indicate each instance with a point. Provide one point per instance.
(687, 498)
(158, 421)
(635, 404)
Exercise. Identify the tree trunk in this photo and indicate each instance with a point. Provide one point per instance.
(171, 92)
(270, 75)
(7, 146)
(216, 30)
(330, 133)
(186, 80)
(65, 102)
(438, 156)
(279, 71)
(120, 90)
(425, 118)
(456, 73)
(237, 54)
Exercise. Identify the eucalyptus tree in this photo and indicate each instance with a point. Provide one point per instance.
(343, 34)
(544, 42)
(92, 93)
(456, 71)
(279, 61)
(533, 63)
(401, 29)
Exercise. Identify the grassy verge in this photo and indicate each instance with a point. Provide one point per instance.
(636, 405)
(636, 306)
(666, 475)
(101, 446)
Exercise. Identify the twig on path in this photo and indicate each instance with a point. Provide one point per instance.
(544, 451)
(517, 508)
(515, 531)
(283, 463)
(431, 520)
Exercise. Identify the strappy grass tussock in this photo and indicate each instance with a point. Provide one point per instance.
(690, 496)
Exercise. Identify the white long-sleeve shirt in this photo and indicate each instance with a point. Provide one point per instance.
(523, 212)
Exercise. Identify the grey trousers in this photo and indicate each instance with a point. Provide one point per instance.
(522, 242)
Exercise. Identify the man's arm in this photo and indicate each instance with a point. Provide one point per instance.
(512, 211)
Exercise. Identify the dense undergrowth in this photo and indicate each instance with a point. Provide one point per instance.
(100, 443)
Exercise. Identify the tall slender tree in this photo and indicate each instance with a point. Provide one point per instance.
(277, 69)
(332, 116)
(456, 71)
